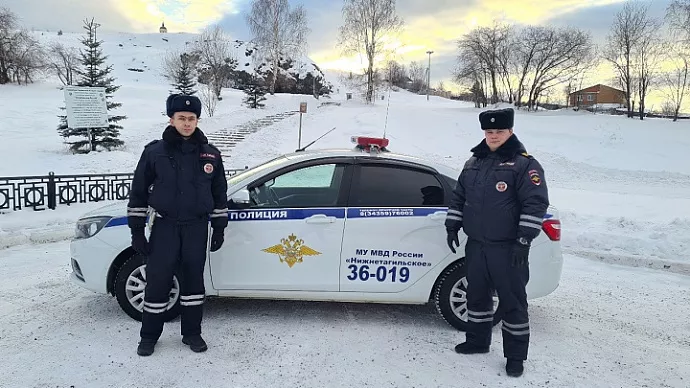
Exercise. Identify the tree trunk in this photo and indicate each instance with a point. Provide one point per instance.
(272, 88)
(494, 97)
(370, 81)
(641, 109)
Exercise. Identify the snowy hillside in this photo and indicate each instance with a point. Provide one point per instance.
(33, 111)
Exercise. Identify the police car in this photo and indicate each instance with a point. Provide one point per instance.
(352, 225)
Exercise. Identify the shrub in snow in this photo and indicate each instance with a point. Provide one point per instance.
(255, 95)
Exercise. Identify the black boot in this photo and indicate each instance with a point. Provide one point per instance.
(514, 368)
(467, 348)
(146, 347)
(195, 342)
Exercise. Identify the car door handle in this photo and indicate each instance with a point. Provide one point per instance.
(438, 216)
(320, 219)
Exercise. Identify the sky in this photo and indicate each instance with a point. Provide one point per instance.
(429, 24)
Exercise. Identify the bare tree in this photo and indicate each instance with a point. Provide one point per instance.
(627, 33)
(676, 81)
(278, 31)
(209, 99)
(560, 54)
(64, 62)
(396, 74)
(527, 44)
(648, 54)
(21, 56)
(366, 24)
(483, 46)
(8, 25)
(504, 57)
(215, 58)
(678, 17)
(473, 72)
(416, 75)
(26, 57)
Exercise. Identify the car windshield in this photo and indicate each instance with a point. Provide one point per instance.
(254, 170)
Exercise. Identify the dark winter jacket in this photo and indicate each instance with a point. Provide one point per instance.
(500, 196)
(182, 180)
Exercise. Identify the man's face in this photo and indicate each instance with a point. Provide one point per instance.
(184, 122)
(496, 137)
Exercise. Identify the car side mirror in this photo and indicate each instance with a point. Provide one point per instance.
(240, 198)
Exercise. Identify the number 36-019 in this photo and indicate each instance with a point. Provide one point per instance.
(381, 274)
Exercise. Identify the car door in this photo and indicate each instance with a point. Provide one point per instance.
(394, 231)
(290, 236)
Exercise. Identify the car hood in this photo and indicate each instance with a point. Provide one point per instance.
(118, 209)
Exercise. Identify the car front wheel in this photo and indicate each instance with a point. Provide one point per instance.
(130, 284)
(450, 297)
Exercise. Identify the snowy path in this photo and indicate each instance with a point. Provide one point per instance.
(606, 326)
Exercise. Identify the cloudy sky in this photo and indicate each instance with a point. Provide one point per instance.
(429, 24)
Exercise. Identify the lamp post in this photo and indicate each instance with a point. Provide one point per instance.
(428, 75)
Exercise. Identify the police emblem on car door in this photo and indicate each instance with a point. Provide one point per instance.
(291, 250)
(290, 236)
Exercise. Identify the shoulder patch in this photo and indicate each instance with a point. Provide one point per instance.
(525, 154)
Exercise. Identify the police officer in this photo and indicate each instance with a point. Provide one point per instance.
(500, 200)
(179, 183)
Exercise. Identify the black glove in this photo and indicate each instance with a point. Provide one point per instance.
(217, 239)
(520, 254)
(452, 238)
(139, 243)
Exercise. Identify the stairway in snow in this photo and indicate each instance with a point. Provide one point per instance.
(227, 139)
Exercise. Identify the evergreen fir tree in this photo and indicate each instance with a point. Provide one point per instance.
(255, 91)
(184, 76)
(95, 75)
(255, 96)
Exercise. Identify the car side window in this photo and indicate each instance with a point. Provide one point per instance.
(313, 186)
(394, 186)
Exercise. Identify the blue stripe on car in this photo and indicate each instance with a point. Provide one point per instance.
(300, 214)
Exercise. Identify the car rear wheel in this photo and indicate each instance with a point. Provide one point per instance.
(130, 284)
(450, 297)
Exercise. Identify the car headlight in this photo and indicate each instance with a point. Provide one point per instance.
(88, 227)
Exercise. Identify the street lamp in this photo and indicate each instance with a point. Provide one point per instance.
(428, 75)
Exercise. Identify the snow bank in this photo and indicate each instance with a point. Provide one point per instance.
(28, 226)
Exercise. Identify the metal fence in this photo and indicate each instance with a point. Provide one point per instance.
(49, 191)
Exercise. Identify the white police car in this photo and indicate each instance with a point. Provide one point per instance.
(350, 225)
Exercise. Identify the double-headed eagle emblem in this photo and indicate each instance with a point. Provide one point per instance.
(291, 250)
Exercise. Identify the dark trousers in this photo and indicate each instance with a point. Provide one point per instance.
(490, 267)
(180, 249)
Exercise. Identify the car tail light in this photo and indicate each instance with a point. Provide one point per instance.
(552, 228)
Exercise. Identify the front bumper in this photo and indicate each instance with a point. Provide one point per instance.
(90, 260)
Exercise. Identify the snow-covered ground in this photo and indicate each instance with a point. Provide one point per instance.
(605, 326)
(622, 186)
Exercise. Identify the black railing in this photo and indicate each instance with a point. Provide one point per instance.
(48, 191)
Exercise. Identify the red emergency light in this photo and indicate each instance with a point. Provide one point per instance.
(370, 143)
